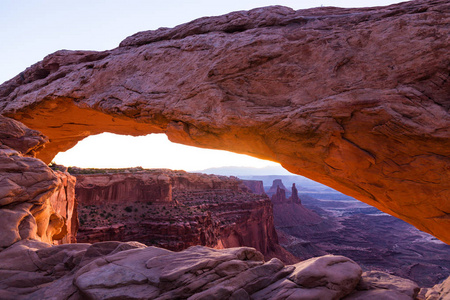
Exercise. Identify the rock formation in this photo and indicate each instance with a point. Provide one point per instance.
(35, 202)
(194, 209)
(294, 195)
(113, 270)
(255, 186)
(97, 189)
(276, 186)
(356, 99)
(279, 196)
(438, 292)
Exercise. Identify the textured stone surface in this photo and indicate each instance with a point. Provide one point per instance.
(97, 189)
(439, 291)
(36, 270)
(256, 186)
(354, 98)
(277, 185)
(380, 285)
(114, 270)
(35, 202)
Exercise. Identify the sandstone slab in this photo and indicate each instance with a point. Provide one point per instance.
(380, 285)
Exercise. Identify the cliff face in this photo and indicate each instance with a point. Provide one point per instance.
(256, 186)
(356, 99)
(196, 209)
(35, 202)
(97, 189)
(64, 203)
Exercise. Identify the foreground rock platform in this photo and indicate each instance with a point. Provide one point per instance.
(357, 99)
(115, 270)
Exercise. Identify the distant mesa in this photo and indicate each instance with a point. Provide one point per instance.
(278, 193)
(277, 184)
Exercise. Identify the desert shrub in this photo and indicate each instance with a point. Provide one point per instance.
(128, 209)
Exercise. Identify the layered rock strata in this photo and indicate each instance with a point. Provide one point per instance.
(194, 209)
(277, 186)
(356, 99)
(35, 202)
(255, 186)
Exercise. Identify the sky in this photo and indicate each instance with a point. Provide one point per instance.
(32, 29)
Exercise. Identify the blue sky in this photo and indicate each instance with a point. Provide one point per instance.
(32, 29)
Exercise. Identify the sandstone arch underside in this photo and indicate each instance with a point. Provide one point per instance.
(357, 99)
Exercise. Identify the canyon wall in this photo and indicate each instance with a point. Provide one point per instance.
(195, 209)
(95, 189)
(256, 186)
(356, 99)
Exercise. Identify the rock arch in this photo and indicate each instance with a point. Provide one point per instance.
(357, 99)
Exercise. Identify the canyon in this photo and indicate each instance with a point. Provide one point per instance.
(354, 98)
(175, 210)
(328, 222)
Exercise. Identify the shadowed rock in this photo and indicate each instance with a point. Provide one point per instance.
(35, 202)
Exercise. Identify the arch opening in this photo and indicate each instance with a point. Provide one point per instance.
(119, 211)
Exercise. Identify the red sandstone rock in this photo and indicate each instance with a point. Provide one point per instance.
(276, 185)
(97, 189)
(279, 196)
(294, 195)
(255, 186)
(379, 285)
(35, 202)
(354, 98)
(195, 209)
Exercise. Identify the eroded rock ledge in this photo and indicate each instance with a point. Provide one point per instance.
(114, 270)
(354, 98)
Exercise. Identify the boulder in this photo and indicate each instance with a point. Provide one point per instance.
(381, 285)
